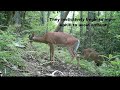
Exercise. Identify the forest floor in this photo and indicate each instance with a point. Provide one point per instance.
(37, 63)
(45, 68)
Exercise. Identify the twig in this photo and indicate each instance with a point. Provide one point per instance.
(57, 71)
(53, 73)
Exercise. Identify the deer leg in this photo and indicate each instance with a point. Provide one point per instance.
(71, 52)
(75, 48)
(51, 52)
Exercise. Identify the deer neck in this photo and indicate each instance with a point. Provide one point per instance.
(39, 39)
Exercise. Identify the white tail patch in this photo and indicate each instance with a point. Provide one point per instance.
(77, 44)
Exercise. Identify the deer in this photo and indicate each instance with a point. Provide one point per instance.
(60, 39)
(90, 53)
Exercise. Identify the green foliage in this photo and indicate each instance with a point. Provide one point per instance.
(5, 40)
(111, 69)
(33, 19)
(2, 18)
(107, 38)
(110, 57)
(90, 66)
(9, 54)
(104, 70)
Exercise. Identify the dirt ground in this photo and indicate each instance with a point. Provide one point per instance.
(60, 68)
(40, 66)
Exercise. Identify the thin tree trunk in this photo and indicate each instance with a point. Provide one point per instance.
(88, 29)
(105, 45)
(9, 15)
(23, 17)
(42, 18)
(81, 27)
(61, 22)
(111, 51)
(17, 20)
(48, 15)
(98, 13)
(61, 17)
(88, 41)
(71, 30)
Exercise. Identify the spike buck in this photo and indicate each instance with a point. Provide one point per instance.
(60, 39)
(90, 53)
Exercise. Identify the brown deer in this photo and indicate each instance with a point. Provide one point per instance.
(93, 55)
(60, 39)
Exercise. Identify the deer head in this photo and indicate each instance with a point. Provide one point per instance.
(93, 55)
(31, 36)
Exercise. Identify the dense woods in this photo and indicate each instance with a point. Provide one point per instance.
(97, 30)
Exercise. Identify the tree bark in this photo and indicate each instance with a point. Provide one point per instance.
(48, 15)
(91, 15)
(71, 30)
(17, 19)
(58, 28)
(81, 27)
(42, 18)
(61, 17)
(98, 13)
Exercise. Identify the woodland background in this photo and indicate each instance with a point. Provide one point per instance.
(17, 55)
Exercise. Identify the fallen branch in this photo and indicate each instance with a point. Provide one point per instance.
(53, 73)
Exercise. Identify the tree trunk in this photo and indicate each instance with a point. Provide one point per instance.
(81, 27)
(23, 17)
(72, 22)
(87, 41)
(61, 17)
(48, 15)
(17, 20)
(10, 15)
(98, 13)
(42, 18)
(91, 15)
(58, 28)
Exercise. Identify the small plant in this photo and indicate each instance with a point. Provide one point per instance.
(111, 67)
(110, 57)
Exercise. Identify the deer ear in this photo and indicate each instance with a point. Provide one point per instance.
(31, 36)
